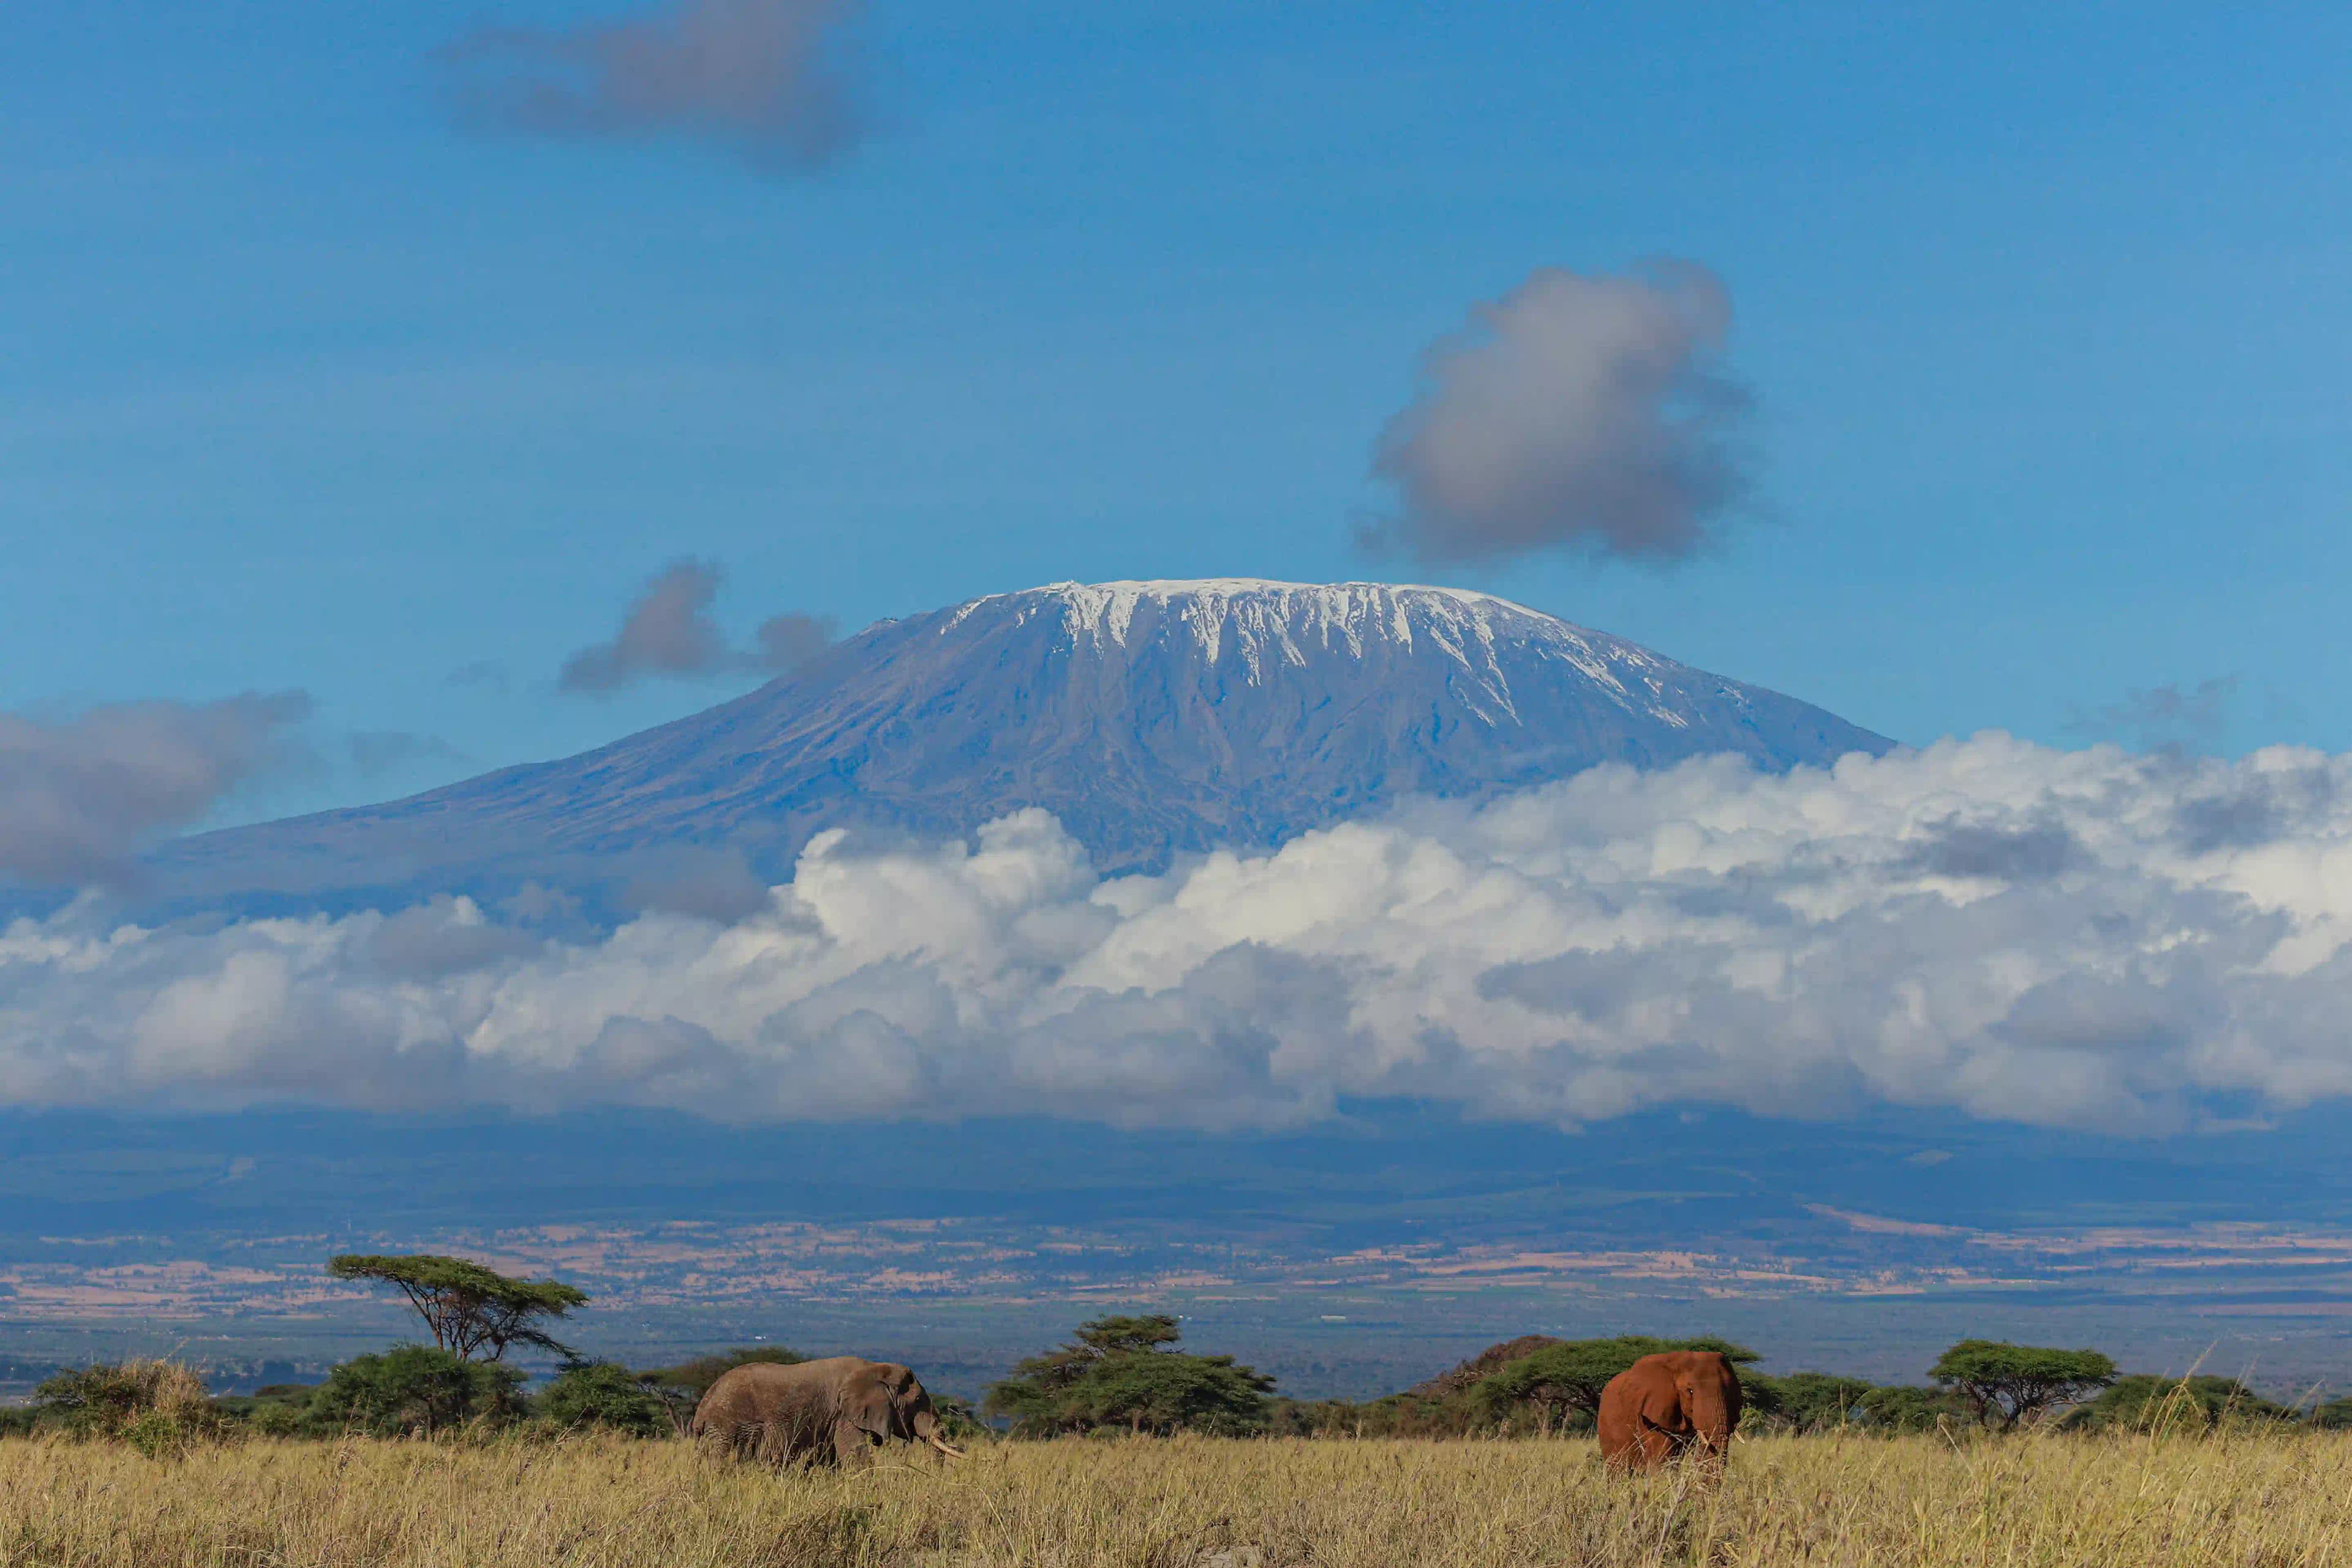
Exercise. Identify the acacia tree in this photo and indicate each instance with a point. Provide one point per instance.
(1164, 1393)
(2011, 1385)
(1035, 1396)
(1564, 1379)
(466, 1307)
(1118, 1372)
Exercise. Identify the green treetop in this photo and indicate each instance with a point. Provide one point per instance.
(1119, 1373)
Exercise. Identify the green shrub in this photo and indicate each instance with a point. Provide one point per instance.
(155, 1435)
(274, 1419)
(158, 1406)
(2335, 1415)
(415, 1389)
(1898, 1408)
(600, 1394)
(2164, 1406)
(274, 1410)
(1802, 1402)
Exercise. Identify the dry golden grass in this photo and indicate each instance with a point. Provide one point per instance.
(2248, 1502)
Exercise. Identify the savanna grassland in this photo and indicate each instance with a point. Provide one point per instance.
(2249, 1501)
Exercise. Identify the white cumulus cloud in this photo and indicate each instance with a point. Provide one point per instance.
(2070, 938)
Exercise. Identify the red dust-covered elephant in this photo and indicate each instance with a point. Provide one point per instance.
(1665, 1406)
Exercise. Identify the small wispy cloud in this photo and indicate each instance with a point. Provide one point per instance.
(378, 751)
(762, 78)
(486, 673)
(669, 631)
(2158, 717)
(792, 640)
(1576, 412)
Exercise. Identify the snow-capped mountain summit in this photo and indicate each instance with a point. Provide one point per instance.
(1151, 717)
(1271, 626)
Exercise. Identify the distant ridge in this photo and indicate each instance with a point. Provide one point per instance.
(1153, 718)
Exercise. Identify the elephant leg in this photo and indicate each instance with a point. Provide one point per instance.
(849, 1443)
(756, 1440)
(790, 1442)
(785, 1439)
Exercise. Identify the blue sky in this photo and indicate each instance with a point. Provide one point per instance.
(306, 385)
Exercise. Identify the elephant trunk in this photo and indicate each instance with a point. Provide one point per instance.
(1710, 1415)
(927, 1427)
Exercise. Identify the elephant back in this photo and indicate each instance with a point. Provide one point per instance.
(763, 1403)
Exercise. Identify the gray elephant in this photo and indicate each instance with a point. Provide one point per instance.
(836, 1410)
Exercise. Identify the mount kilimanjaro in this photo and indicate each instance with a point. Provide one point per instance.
(1152, 718)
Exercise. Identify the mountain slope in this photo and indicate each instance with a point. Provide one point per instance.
(1152, 718)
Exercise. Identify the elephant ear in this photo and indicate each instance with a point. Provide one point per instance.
(869, 1400)
(912, 1400)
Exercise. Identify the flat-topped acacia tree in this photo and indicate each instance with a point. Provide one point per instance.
(1120, 1372)
(2012, 1385)
(468, 1308)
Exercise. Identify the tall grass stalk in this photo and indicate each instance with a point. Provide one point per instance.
(2271, 1501)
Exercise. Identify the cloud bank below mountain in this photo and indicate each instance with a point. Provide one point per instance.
(2066, 938)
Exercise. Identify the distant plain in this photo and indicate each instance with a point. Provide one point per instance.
(1349, 1262)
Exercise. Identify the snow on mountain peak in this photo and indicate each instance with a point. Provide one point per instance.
(1375, 606)
(1271, 623)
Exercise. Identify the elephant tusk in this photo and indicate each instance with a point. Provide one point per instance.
(942, 1447)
